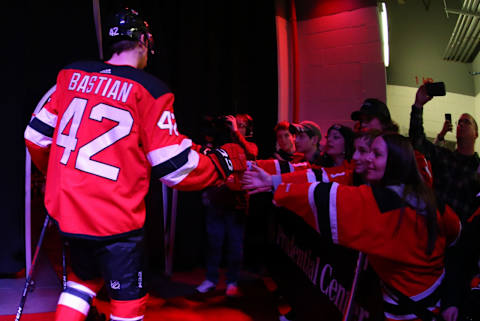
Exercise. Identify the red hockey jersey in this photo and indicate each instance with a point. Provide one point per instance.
(106, 128)
(367, 219)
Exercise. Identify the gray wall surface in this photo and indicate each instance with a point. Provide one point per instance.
(418, 38)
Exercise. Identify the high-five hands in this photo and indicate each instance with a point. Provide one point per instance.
(256, 180)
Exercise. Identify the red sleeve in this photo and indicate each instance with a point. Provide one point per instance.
(39, 156)
(271, 166)
(251, 150)
(39, 132)
(342, 174)
(301, 176)
(298, 198)
(172, 155)
(351, 216)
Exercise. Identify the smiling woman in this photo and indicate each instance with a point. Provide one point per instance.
(396, 221)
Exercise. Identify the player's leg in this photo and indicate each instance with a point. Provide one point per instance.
(123, 266)
(83, 283)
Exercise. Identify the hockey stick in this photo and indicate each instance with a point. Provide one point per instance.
(98, 26)
(28, 186)
(169, 221)
(64, 267)
(28, 281)
(171, 234)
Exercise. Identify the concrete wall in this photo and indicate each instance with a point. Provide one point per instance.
(340, 65)
(418, 38)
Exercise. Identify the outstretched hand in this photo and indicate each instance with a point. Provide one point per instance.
(256, 180)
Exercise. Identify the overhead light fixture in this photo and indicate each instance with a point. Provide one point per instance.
(384, 32)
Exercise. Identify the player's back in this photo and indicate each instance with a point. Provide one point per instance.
(98, 172)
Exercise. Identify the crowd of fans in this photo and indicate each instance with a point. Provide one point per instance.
(403, 201)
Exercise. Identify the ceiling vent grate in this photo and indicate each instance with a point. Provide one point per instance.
(463, 45)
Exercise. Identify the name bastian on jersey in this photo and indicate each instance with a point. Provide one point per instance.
(104, 132)
(118, 90)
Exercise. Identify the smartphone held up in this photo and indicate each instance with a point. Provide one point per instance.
(448, 117)
(435, 88)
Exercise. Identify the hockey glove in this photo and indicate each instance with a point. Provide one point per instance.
(228, 158)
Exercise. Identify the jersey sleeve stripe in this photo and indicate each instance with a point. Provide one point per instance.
(284, 167)
(164, 154)
(311, 178)
(333, 213)
(318, 175)
(37, 138)
(42, 127)
(171, 164)
(47, 117)
(322, 200)
(325, 177)
(278, 171)
(311, 200)
(179, 174)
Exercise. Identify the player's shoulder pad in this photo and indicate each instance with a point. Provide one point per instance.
(152, 84)
(387, 200)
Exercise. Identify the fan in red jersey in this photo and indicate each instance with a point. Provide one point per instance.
(396, 221)
(105, 130)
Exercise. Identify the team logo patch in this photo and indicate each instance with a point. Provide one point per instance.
(115, 284)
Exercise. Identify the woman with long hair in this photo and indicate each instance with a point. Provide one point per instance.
(395, 220)
(339, 147)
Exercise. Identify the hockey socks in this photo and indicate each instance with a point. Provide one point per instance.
(75, 300)
(131, 310)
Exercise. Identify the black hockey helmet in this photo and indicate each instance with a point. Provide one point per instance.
(127, 24)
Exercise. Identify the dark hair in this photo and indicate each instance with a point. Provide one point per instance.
(367, 134)
(249, 123)
(390, 126)
(401, 168)
(283, 125)
(123, 45)
(347, 134)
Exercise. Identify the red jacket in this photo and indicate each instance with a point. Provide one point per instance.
(367, 219)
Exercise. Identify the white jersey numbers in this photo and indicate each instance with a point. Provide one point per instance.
(167, 121)
(73, 113)
(84, 162)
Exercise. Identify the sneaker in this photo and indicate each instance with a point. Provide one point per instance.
(206, 286)
(232, 290)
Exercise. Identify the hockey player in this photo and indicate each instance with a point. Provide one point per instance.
(395, 221)
(104, 131)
